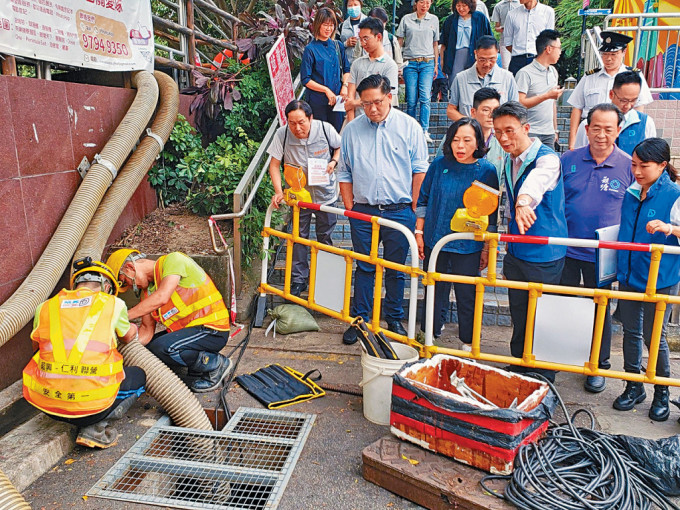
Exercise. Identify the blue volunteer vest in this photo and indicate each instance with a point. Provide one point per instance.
(632, 135)
(550, 218)
(633, 267)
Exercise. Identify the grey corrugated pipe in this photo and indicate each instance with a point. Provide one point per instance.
(18, 310)
(10, 498)
(161, 382)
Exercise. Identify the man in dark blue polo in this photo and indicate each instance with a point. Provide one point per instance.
(595, 181)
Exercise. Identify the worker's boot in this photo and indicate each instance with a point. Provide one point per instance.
(633, 394)
(122, 408)
(213, 368)
(659, 410)
(98, 435)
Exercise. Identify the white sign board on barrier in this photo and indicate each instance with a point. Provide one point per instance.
(329, 289)
(281, 77)
(110, 35)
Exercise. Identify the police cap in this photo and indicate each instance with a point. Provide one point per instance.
(613, 41)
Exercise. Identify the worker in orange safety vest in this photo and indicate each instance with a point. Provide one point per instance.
(178, 294)
(77, 375)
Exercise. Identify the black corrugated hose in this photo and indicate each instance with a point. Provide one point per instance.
(575, 468)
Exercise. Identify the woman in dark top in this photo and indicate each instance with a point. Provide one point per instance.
(459, 35)
(441, 194)
(325, 70)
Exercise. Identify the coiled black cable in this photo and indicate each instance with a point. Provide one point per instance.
(575, 468)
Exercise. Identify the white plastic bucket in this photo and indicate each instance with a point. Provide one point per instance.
(377, 381)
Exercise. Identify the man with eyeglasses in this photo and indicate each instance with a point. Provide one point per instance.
(485, 73)
(533, 182)
(595, 86)
(596, 178)
(637, 126)
(383, 160)
(375, 62)
(522, 26)
(538, 89)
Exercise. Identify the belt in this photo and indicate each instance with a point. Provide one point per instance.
(421, 59)
(525, 55)
(388, 207)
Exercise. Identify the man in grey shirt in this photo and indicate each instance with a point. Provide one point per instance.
(485, 73)
(305, 143)
(500, 12)
(376, 62)
(538, 89)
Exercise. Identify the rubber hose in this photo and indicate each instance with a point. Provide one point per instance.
(93, 242)
(168, 389)
(18, 310)
(10, 498)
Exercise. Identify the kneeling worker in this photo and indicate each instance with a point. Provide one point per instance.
(177, 293)
(77, 375)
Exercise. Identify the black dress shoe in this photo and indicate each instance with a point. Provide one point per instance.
(297, 288)
(633, 394)
(659, 410)
(595, 383)
(350, 337)
(396, 327)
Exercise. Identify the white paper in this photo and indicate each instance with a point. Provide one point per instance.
(605, 261)
(339, 104)
(316, 172)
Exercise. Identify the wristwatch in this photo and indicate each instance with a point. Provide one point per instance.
(523, 202)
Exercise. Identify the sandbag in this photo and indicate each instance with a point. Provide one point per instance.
(292, 319)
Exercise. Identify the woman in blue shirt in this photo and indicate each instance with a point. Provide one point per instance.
(441, 194)
(460, 32)
(325, 70)
(650, 214)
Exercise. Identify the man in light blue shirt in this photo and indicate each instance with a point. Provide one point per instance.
(383, 160)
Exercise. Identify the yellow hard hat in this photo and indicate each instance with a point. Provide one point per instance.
(116, 261)
(83, 269)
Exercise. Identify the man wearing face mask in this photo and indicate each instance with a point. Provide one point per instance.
(177, 293)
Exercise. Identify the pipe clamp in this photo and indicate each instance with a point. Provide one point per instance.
(106, 164)
(158, 139)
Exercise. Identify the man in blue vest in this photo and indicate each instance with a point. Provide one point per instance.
(536, 201)
(636, 126)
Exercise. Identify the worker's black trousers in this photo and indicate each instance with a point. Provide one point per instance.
(181, 348)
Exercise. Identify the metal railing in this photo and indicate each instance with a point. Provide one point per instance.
(245, 192)
(647, 38)
(599, 296)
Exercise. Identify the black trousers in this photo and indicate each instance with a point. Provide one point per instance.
(181, 348)
(523, 271)
(519, 61)
(325, 112)
(574, 269)
(134, 382)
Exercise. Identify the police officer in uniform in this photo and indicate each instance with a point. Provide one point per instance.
(594, 87)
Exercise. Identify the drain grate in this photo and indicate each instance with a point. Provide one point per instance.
(245, 466)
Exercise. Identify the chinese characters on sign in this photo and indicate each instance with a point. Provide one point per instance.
(111, 35)
(281, 78)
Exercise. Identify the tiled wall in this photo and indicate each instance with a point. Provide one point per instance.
(46, 129)
(666, 115)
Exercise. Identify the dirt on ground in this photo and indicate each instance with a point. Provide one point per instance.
(173, 228)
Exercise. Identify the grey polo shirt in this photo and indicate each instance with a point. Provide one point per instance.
(297, 152)
(363, 67)
(419, 35)
(533, 80)
(468, 82)
(501, 10)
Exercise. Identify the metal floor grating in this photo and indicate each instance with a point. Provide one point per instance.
(245, 466)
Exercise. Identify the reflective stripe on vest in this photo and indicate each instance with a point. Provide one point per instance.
(85, 380)
(190, 307)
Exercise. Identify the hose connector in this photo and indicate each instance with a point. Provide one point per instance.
(107, 164)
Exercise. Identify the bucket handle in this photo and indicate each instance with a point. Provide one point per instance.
(364, 382)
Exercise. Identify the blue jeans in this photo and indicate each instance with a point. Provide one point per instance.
(395, 249)
(418, 78)
(638, 318)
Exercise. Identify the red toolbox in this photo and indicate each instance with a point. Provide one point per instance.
(429, 410)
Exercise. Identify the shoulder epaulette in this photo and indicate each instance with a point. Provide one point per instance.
(593, 71)
(634, 69)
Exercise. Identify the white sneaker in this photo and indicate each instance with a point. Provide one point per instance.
(465, 347)
(428, 139)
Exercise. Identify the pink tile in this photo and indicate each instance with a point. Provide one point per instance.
(9, 166)
(89, 117)
(14, 249)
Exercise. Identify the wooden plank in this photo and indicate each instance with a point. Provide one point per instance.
(430, 480)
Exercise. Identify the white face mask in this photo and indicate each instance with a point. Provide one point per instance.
(354, 11)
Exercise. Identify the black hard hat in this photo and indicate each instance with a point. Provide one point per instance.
(613, 41)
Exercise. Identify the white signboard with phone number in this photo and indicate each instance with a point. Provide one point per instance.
(110, 35)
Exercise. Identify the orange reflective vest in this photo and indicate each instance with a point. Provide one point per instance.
(77, 370)
(193, 306)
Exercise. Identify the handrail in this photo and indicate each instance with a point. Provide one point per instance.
(249, 180)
